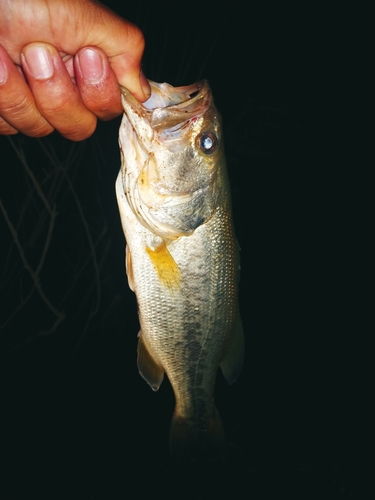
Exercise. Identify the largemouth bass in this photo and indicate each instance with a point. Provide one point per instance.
(182, 256)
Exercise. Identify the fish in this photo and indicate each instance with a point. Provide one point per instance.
(182, 256)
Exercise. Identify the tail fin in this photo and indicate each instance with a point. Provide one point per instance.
(196, 441)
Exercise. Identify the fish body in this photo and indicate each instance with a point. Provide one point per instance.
(182, 256)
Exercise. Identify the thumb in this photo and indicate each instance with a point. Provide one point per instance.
(122, 42)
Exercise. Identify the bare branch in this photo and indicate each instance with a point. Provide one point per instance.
(35, 277)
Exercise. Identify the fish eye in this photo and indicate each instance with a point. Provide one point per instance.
(207, 142)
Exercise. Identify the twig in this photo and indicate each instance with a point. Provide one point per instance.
(32, 177)
(35, 277)
(94, 259)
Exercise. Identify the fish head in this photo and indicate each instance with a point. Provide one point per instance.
(171, 152)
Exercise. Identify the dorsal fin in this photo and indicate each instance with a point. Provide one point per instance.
(233, 361)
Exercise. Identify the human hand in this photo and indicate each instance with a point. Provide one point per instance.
(60, 65)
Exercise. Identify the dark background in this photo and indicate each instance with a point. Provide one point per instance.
(293, 86)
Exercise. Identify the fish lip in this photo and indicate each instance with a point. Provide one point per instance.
(169, 108)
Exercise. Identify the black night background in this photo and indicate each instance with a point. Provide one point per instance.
(78, 421)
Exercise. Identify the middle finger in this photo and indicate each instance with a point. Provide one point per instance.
(57, 97)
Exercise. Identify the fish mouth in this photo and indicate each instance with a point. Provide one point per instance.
(169, 109)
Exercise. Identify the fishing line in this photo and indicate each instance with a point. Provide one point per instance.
(209, 53)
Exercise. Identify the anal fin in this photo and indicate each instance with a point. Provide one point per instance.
(148, 368)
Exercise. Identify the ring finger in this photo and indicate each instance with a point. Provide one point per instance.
(18, 110)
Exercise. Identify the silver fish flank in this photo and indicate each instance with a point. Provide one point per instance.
(182, 256)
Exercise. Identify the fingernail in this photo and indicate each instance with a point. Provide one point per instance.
(91, 65)
(39, 62)
(3, 72)
(144, 84)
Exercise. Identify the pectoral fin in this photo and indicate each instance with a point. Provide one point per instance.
(233, 360)
(148, 368)
(165, 266)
